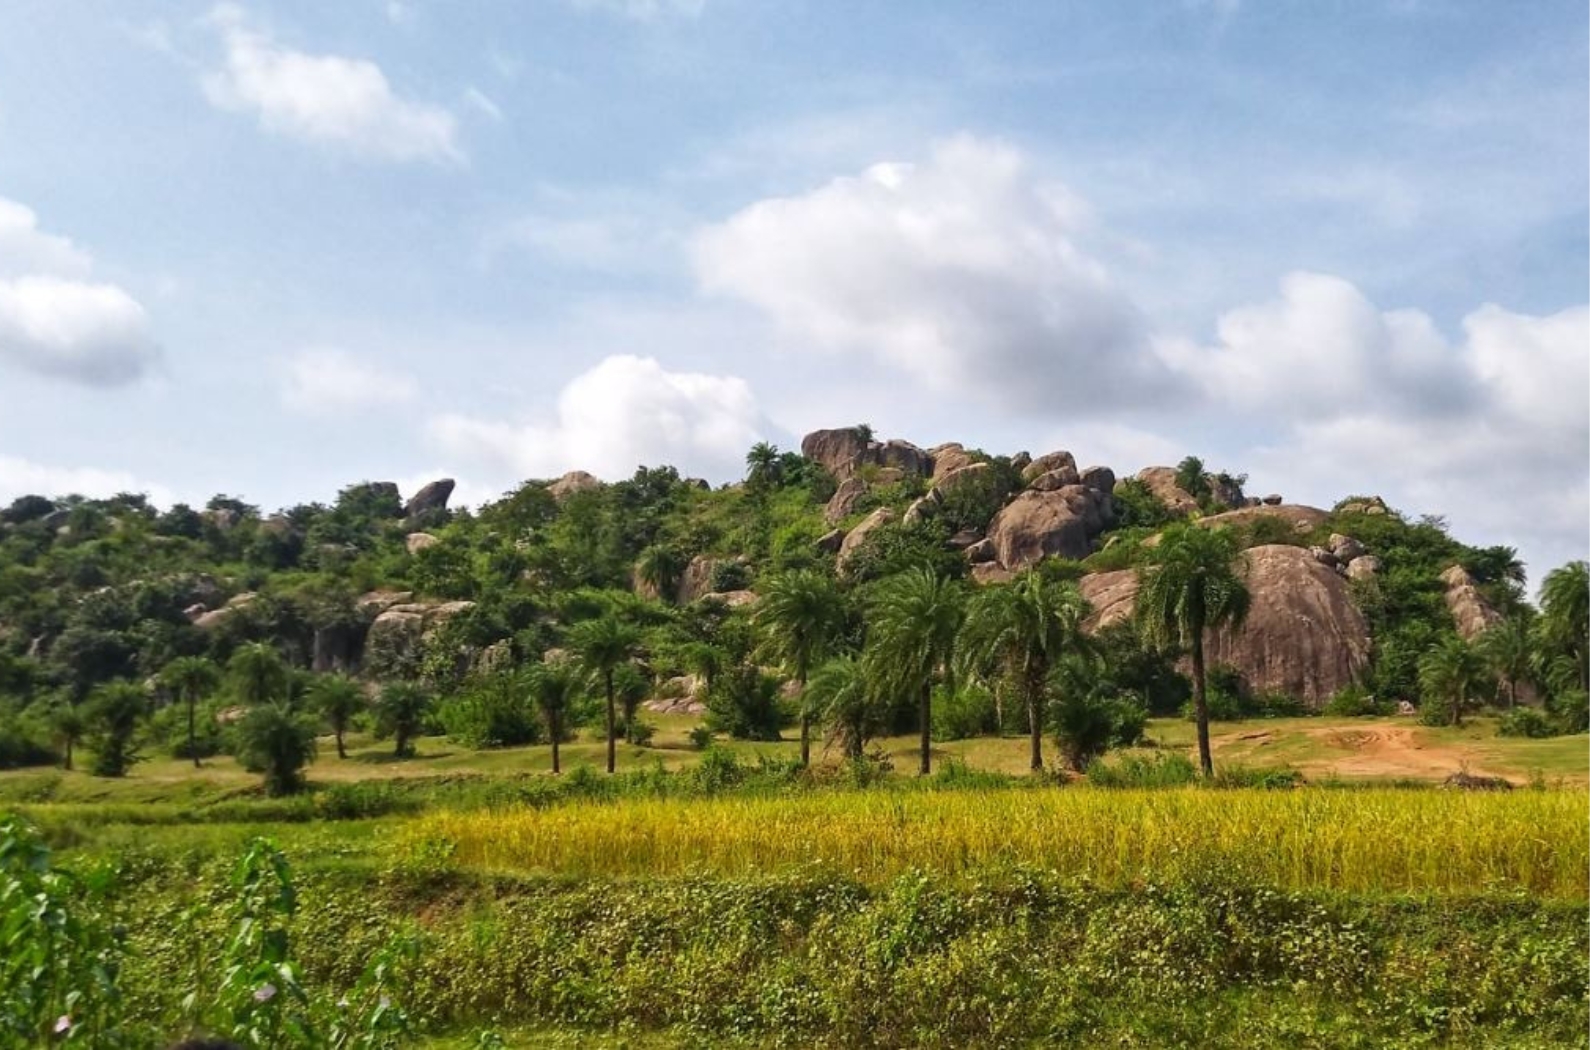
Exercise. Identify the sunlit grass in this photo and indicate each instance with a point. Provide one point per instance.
(1370, 840)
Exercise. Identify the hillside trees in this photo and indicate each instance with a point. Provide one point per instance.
(915, 619)
(602, 645)
(801, 617)
(190, 679)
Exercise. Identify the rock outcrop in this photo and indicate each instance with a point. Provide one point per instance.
(947, 459)
(1099, 479)
(1304, 636)
(858, 535)
(1161, 481)
(1047, 462)
(572, 482)
(418, 541)
(1470, 611)
(1036, 525)
(1301, 518)
(844, 500)
(431, 497)
(697, 579)
(845, 451)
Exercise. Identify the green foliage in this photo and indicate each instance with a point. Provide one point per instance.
(1528, 722)
(967, 711)
(257, 674)
(276, 741)
(743, 702)
(492, 710)
(1166, 769)
(114, 714)
(401, 710)
(848, 703)
(1354, 701)
(1191, 479)
(1452, 677)
(340, 701)
(894, 548)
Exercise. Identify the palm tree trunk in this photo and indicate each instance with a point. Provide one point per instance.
(1457, 710)
(1034, 686)
(927, 728)
(1201, 704)
(612, 739)
(342, 748)
(806, 724)
(67, 764)
(556, 732)
(193, 734)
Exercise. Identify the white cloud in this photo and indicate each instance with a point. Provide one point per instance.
(644, 10)
(26, 249)
(963, 271)
(625, 412)
(483, 102)
(1322, 349)
(331, 381)
(329, 100)
(21, 477)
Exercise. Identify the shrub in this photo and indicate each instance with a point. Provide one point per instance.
(492, 711)
(1086, 725)
(1528, 722)
(967, 712)
(401, 711)
(1169, 769)
(277, 742)
(113, 717)
(700, 738)
(1354, 701)
(743, 702)
(730, 576)
(24, 742)
(639, 733)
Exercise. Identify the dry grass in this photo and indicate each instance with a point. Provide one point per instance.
(1377, 840)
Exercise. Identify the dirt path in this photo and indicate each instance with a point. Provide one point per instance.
(1387, 751)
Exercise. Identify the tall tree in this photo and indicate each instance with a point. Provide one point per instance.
(762, 465)
(191, 679)
(914, 619)
(800, 617)
(659, 568)
(339, 700)
(1024, 629)
(1191, 583)
(1565, 615)
(1450, 674)
(114, 712)
(258, 674)
(1509, 648)
(68, 725)
(400, 711)
(603, 645)
(555, 687)
(277, 742)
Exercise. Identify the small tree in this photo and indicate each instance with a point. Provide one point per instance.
(278, 742)
(191, 679)
(257, 674)
(914, 620)
(800, 618)
(339, 701)
(843, 698)
(603, 645)
(68, 725)
(631, 688)
(113, 715)
(555, 687)
(1450, 675)
(400, 712)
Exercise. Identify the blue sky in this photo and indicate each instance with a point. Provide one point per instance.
(273, 248)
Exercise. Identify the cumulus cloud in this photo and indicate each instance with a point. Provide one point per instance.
(1323, 348)
(963, 271)
(22, 477)
(625, 412)
(328, 100)
(56, 322)
(331, 381)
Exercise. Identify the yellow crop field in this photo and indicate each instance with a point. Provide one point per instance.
(1373, 840)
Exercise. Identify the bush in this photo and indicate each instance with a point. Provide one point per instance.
(743, 702)
(1354, 701)
(23, 743)
(492, 711)
(730, 576)
(277, 742)
(1086, 725)
(639, 733)
(965, 713)
(1529, 722)
(700, 738)
(1170, 769)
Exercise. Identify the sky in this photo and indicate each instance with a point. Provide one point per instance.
(270, 249)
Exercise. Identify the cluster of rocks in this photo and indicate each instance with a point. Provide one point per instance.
(683, 695)
(1471, 612)
(1347, 556)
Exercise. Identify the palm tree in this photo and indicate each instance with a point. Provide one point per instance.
(114, 712)
(603, 645)
(704, 660)
(1509, 649)
(915, 618)
(839, 689)
(339, 700)
(1190, 584)
(762, 464)
(1565, 614)
(800, 617)
(400, 712)
(630, 687)
(278, 742)
(68, 725)
(1024, 629)
(554, 687)
(258, 674)
(1451, 673)
(659, 568)
(190, 679)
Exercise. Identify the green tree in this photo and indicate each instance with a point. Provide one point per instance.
(555, 688)
(659, 568)
(114, 711)
(1509, 648)
(800, 618)
(630, 688)
(1565, 615)
(68, 725)
(190, 679)
(1191, 583)
(278, 742)
(1024, 628)
(847, 703)
(914, 619)
(1191, 479)
(257, 674)
(1450, 675)
(339, 700)
(603, 645)
(400, 712)
(762, 466)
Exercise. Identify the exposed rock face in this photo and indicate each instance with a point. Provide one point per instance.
(1303, 636)
(991, 572)
(856, 536)
(963, 539)
(1301, 518)
(1161, 481)
(1346, 549)
(970, 474)
(1363, 568)
(738, 599)
(902, 455)
(1372, 505)
(1036, 525)
(947, 459)
(844, 500)
(1225, 492)
(418, 541)
(829, 542)
(397, 635)
(980, 552)
(216, 617)
(1272, 500)
(1099, 479)
(1470, 611)
(922, 509)
(374, 603)
(834, 449)
(696, 581)
(431, 497)
(1047, 462)
(572, 482)
(1058, 478)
